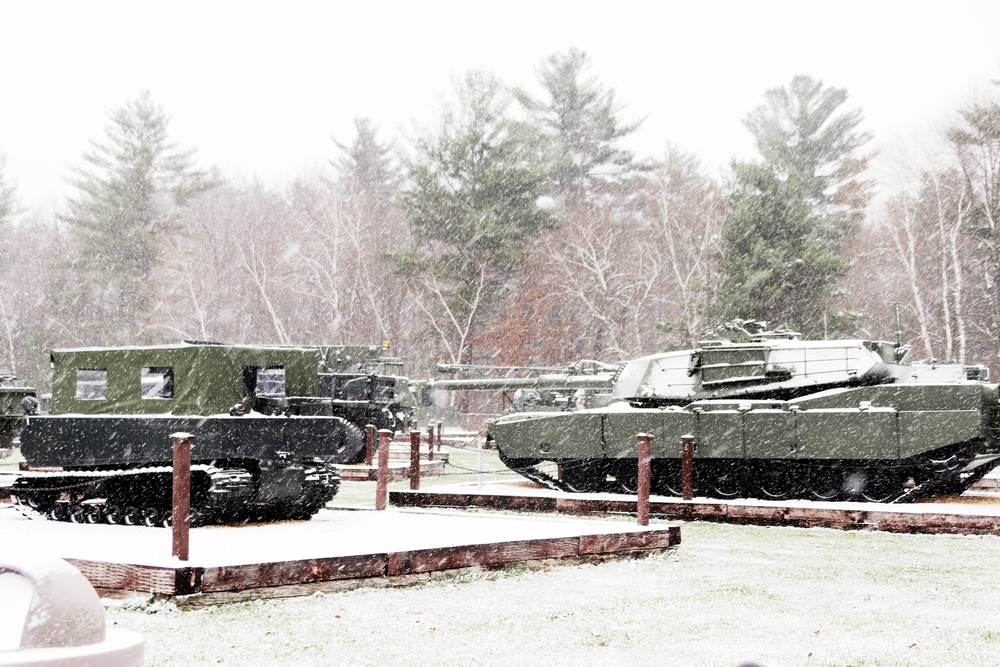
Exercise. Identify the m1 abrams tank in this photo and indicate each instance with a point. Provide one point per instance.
(774, 417)
(270, 425)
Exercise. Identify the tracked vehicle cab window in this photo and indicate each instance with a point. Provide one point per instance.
(91, 384)
(264, 381)
(158, 382)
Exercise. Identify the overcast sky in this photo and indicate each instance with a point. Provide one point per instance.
(259, 88)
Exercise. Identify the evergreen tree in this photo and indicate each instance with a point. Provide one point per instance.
(801, 133)
(131, 194)
(775, 265)
(791, 216)
(580, 127)
(473, 207)
(367, 163)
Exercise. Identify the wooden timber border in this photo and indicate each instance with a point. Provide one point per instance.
(201, 586)
(827, 515)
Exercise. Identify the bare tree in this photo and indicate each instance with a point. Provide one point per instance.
(688, 210)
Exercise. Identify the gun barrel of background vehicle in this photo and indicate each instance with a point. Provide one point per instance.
(592, 381)
(456, 368)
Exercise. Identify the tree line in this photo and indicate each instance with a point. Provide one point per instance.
(513, 229)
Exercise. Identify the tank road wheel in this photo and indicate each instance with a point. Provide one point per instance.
(882, 486)
(826, 484)
(778, 484)
(151, 517)
(38, 501)
(583, 476)
(132, 516)
(59, 512)
(113, 514)
(627, 476)
(78, 514)
(727, 483)
(95, 514)
(666, 479)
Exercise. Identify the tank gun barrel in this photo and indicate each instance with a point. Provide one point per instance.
(457, 368)
(552, 381)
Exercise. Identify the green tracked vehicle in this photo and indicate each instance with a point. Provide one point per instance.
(11, 413)
(270, 424)
(774, 417)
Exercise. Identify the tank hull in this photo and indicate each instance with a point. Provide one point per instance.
(117, 469)
(128, 440)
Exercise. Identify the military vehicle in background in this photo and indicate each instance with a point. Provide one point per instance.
(366, 386)
(271, 423)
(585, 384)
(11, 413)
(773, 417)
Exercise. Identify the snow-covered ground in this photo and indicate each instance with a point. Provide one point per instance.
(330, 533)
(780, 596)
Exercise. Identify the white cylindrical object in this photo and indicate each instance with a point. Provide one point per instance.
(55, 617)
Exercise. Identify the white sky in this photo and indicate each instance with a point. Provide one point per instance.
(259, 88)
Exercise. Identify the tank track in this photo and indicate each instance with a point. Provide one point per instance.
(528, 468)
(141, 496)
(896, 484)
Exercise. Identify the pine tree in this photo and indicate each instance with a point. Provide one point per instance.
(580, 127)
(367, 163)
(776, 266)
(131, 192)
(791, 215)
(473, 207)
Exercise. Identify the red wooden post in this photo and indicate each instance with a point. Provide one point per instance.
(430, 442)
(181, 517)
(369, 444)
(382, 476)
(645, 459)
(687, 467)
(414, 460)
(439, 427)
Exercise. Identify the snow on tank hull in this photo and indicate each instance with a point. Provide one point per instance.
(884, 435)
